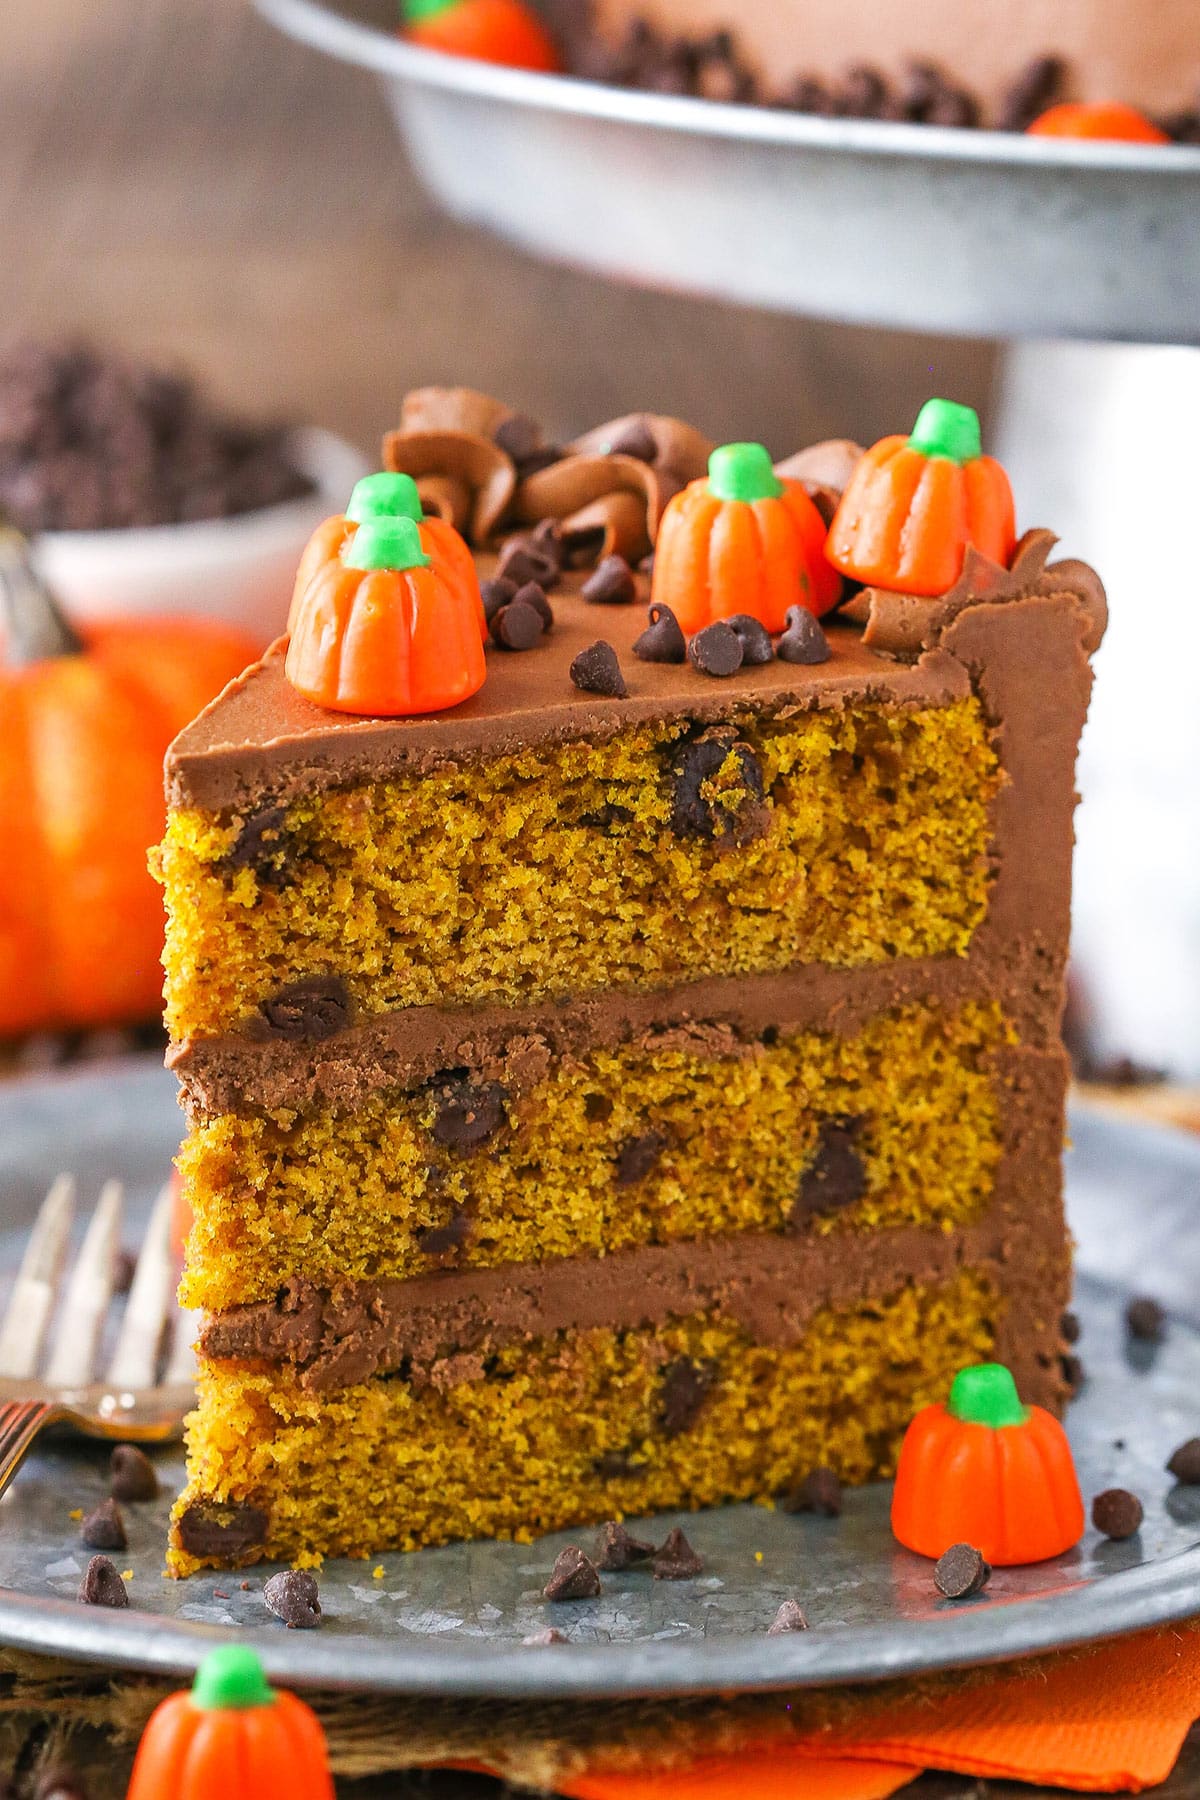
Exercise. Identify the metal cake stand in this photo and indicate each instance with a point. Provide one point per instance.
(451, 1621)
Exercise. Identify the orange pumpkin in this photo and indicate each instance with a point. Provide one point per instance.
(498, 31)
(85, 719)
(232, 1738)
(741, 540)
(985, 1470)
(380, 626)
(1107, 120)
(914, 504)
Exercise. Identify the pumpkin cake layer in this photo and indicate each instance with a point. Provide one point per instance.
(693, 1132)
(585, 1425)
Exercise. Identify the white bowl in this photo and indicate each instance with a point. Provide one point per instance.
(239, 570)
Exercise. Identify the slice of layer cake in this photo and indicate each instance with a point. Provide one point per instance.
(615, 1092)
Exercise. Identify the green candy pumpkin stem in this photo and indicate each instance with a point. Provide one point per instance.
(742, 472)
(33, 627)
(231, 1679)
(986, 1395)
(385, 495)
(944, 428)
(385, 543)
(414, 11)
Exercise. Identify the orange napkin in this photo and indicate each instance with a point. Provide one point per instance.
(1106, 1720)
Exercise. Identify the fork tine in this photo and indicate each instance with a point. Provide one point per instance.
(32, 1301)
(181, 1362)
(89, 1290)
(136, 1355)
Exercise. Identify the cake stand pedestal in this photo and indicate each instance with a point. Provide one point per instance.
(918, 227)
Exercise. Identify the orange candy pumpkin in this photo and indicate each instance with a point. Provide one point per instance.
(232, 1738)
(498, 31)
(914, 504)
(387, 617)
(1103, 120)
(985, 1470)
(742, 540)
(85, 719)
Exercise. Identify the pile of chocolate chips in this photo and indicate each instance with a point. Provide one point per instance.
(92, 442)
(710, 66)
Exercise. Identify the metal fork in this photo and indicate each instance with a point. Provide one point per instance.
(128, 1400)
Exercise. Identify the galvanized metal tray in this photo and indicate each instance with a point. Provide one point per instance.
(451, 1621)
(915, 226)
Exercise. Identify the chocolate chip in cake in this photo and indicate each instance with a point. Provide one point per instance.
(101, 1585)
(663, 640)
(308, 1011)
(617, 1465)
(961, 1572)
(227, 1531)
(803, 640)
(293, 1596)
(1070, 1327)
(634, 439)
(440, 1240)
(529, 557)
(1036, 87)
(790, 1617)
(534, 595)
(551, 1635)
(836, 1177)
(260, 845)
(1145, 1320)
(517, 626)
(467, 1113)
(676, 1560)
(755, 638)
(104, 1529)
(716, 651)
(573, 1577)
(497, 593)
(1117, 1513)
(616, 1549)
(637, 1156)
(1184, 1463)
(695, 765)
(597, 671)
(686, 1385)
(611, 583)
(131, 1474)
(819, 1492)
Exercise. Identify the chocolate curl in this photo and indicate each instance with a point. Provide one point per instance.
(618, 495)
(456, 409)
(824, 471)
(680, 451)
(445, 441)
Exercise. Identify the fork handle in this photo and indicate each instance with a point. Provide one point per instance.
(20, 1423)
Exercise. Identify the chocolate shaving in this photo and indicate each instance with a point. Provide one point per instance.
(573, 1577)
(233, 1531)
(835, 1178)
(663, 640)
(616, 1549)
(306, 1011)
(686, 1385)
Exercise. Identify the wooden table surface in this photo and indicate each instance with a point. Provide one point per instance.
(177, 180)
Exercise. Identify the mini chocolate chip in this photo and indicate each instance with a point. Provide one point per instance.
(756, 639)
(803, 640)
(635, 439)
(960, 1572)
(534, 595)
(1072, 1372)
(292, 1596)
(210, 1528)
(551, 1635)
(1145, 1320)
(496, 593)
(104, 1529)
(790, 1617)
(517, 626)
(1070, 1327)
(617, 1465)
(468, 1113)
(663, 640)
(611, 583)
(131, 1474)
(260, 844)
(637, 1156)
(518, 436)
(694, 813)
(1117, 1513)
(124, 1264)
(616, 1549)
(716, 651)
(819, 1492)
(686, 1385)
(439, 1240)
(101, 1585)
(307, 1011)
(676, 1560)
(530, 558)
(1184, 1463)
(836, 1177)
(597, 671)
(573, 1577)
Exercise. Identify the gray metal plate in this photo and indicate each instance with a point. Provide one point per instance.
(450, 1621)
(924, 227)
